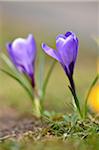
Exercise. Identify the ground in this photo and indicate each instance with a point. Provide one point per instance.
(14, 125)
(23, 131)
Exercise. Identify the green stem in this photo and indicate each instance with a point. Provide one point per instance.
(37, 109)
(87, 96)
(76, 101)
(73, 91)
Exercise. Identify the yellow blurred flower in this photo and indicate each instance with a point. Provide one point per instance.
(93, 100)
(97, 40)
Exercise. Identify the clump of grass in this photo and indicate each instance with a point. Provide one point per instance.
(66, 126)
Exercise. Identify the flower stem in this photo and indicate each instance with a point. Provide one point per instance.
(73, 91)
(37, 110)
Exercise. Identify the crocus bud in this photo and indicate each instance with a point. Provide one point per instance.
(22, 53)
(66, 51)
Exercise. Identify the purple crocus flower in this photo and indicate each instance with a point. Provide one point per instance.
(65, 53)
(23, 53)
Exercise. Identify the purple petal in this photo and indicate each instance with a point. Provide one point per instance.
(31, 44)
(19, 49)
(51, 52)
(67, 34)
(9, 49)
(60, 40)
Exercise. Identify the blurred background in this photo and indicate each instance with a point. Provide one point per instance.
(45, 20)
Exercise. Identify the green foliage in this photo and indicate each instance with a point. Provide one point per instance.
(23, 80)
(70, 126)
(15, 74)
(47, 79)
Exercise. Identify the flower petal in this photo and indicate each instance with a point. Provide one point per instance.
(51, 52)
(31, 44)
(60, 40)
(20, 67)
(19, 49)
(9, 48)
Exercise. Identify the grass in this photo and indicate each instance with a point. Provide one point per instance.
(69, 126)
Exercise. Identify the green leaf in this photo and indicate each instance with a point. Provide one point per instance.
(7, 62)
(87, 96)
(15, 74)
(47, 79)
(41, 71)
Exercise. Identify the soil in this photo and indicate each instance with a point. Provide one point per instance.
(12, 125)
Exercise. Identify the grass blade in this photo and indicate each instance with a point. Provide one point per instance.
(87, 96)
(41, 70)
(47, 79)
(19, 80)
(15, 74)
